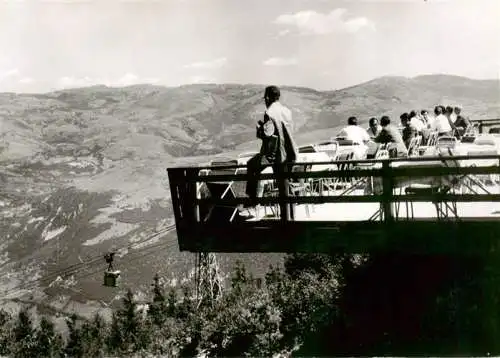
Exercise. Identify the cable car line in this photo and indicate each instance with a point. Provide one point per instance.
(75, 268)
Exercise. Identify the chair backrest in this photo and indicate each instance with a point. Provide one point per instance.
(343, 142)
(446, 142)
(382, 154)
(472, 130)
(432, 139)
(342, 157)
(468, 139)
(414, 144)
(344, 166)
(307, 149)
(330, 148)
(219, 213)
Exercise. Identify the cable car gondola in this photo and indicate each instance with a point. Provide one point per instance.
(111, 276)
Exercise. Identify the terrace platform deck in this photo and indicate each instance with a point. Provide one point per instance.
(462, 219)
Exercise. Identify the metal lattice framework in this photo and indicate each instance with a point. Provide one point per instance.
(209, 281)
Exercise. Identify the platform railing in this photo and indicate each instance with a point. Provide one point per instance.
(482, 123)
(455, 178)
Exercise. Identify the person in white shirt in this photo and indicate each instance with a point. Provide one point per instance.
(450, 114)
(427, 118)
(281, 113)
(441, 123)
(416, 123)
(354, 133)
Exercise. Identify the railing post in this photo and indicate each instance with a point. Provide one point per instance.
(387, 184)
(192, 212)
(283, 189)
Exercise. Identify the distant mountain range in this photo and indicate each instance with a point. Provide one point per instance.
(83, 170)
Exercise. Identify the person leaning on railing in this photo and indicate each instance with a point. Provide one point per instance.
(390, 135)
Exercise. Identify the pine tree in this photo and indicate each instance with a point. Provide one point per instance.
(24, 335)
(114, 340)
(5, 332)
(158, 307)
(171, 305)
(74, 345)
(48, 343)
(130, 321)
(93, 333)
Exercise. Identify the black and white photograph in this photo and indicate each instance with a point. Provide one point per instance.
(265, 178)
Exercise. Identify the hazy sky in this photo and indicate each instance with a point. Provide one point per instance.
(324, 44)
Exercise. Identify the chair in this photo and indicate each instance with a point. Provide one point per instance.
(220, 213)
(301, 186)
(349, 184)
(444, 209)
(413, 146)
(330, 148)
(220, 190)
(431, 142)
(446, 142)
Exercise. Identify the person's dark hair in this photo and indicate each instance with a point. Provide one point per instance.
(273, 93)
(423, 111)
(458, 110)
(372, 121)
(449, 109)
(404, 117)
(412, 114)
(438, 110)
(384, 121)
(352, 121)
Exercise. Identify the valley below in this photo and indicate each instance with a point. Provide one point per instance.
(83, 171)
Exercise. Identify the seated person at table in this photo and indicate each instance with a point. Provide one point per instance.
(416, 122)
(461, 123)
(354, 133)
(408, 130)
(390, 134)
(441, 123)
(373, 127)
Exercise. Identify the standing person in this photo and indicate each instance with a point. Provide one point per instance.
(278, 147)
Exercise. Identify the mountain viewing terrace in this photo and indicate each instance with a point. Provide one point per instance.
(442, 198)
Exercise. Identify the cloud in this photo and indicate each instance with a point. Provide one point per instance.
(13, 72)
(217, 63)
(310, 22)
(279, 61)
(201, 79)
(71, 82)
(127, 79)
(26, 80)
